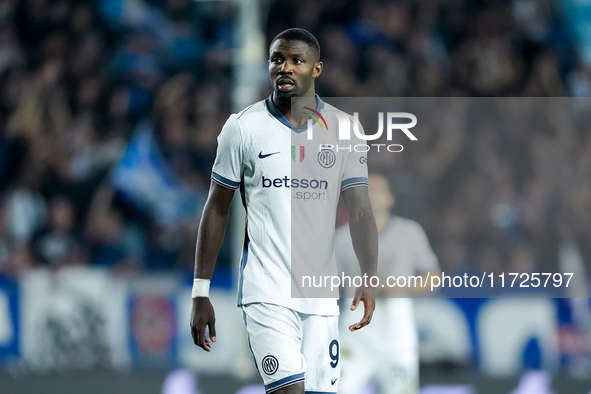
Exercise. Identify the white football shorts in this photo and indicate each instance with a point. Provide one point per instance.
(289, 346)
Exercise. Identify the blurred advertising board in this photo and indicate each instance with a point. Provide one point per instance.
(152, 321)
(73, 319)
(88, 318)
(230, 353)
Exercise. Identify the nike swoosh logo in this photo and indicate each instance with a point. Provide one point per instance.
(261, 156)
(332, 382)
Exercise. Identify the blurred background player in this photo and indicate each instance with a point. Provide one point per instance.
(388, 353)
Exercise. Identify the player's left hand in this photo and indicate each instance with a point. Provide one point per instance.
(202, 318)
(369, 304)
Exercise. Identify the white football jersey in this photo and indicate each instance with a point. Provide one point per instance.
(257, 151)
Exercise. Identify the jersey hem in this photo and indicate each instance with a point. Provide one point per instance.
(335, 312)
(320, 392)
(355, 185)
(225, 182)
(355, 181)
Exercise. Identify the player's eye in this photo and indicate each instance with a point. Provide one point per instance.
(298, 61)
(276, 60)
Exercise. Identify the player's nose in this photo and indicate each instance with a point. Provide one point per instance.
(285, 68)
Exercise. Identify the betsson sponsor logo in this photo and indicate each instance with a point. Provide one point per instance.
(295, 183)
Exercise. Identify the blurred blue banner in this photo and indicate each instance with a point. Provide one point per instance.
(9, 321)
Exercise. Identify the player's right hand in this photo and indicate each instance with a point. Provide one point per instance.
(202, 317)
(368, 297)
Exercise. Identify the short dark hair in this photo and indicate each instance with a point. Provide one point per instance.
(298, 34)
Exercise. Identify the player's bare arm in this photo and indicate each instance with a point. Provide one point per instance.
(209, 241)
(364, 234)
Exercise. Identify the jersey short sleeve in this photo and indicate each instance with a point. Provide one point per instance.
(227, 168)
(355, 171)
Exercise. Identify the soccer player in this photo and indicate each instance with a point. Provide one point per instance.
(388, 354)
(294, 341)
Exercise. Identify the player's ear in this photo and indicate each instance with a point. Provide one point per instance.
(317, 69)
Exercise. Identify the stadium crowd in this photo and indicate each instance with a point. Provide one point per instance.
(110, 109)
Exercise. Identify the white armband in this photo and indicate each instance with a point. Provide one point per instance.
(200, 288)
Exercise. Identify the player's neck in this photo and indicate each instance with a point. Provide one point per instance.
(296, 118)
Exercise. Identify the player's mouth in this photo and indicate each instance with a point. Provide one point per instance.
(285, 84)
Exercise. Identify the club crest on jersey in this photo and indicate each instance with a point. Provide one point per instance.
(270, 364)
(298, 153)
(326, 157)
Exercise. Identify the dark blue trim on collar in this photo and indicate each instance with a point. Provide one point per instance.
(273, 110)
